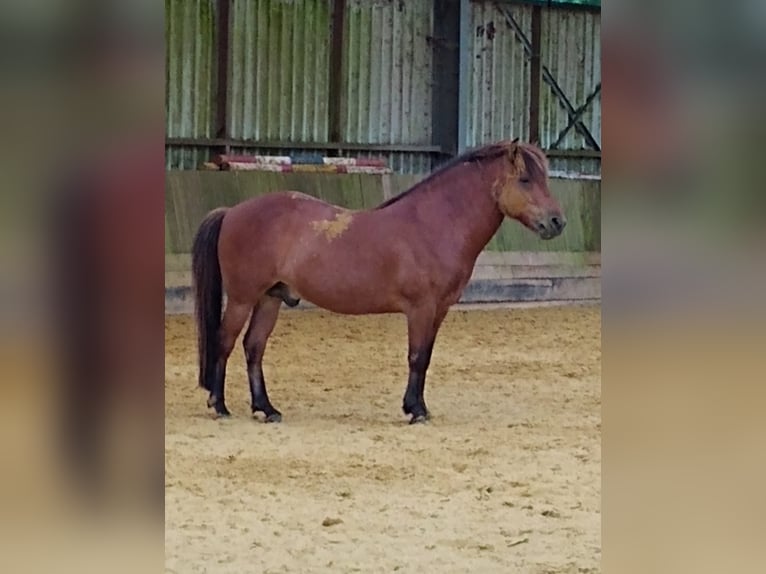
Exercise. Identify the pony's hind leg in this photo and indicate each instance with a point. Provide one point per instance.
(261, 325)
(234, 319)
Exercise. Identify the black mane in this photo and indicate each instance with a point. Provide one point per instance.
(471, 156)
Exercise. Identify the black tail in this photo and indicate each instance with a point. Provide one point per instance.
(208, 294)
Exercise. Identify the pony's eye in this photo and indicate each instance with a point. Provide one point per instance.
(524, 180)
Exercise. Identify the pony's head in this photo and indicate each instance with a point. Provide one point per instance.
(521, 189)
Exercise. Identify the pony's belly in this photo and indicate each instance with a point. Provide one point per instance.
(347, 299)
(350, 305)
(346, 275)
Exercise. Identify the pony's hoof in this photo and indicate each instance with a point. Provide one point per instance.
(419, 419)
(220, 407)
(273, 418)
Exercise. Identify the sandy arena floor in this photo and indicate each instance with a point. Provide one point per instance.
(505, 478)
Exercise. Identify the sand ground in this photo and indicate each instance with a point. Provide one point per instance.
(505, 478)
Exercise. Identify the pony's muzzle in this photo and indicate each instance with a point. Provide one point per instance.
(551, 226)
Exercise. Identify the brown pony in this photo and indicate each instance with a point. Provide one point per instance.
(413, 254)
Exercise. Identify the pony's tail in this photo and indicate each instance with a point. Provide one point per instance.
(208, 294)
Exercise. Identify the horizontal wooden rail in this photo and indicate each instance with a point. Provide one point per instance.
(232, 143)
(402, 148)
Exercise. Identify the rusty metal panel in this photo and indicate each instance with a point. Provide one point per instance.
(387, 75)
(190, 76)
(498, 91)
(279, 70)
(571, 50)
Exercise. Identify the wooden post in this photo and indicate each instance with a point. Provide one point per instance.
(336, 68)
(445, 44)
(222, 86)
(465, 51)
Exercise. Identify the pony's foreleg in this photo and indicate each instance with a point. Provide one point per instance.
(422, 327)
(234, 319)
(261, 325)
(440, 314)
(421, 336)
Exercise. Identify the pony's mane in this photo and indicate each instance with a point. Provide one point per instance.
(534, 159)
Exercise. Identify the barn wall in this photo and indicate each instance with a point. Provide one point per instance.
(190, 77)
(387, 70)
(279, 70)
(571, 49)
(280, 65)
(498, 97)
(498, 105)
(279, 77)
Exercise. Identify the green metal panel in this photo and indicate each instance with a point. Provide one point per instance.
(191, 194)
(279, 70)
(498, 85)
(571, 50)
(498, 92)
(190, 76)
(387, 71)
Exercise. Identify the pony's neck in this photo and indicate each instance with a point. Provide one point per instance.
(458, 206)
(474, 210)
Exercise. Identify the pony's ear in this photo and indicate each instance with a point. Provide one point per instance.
(517, 158)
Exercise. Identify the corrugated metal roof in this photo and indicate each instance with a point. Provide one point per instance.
(279, 70)
(190, 75)
(387, 70)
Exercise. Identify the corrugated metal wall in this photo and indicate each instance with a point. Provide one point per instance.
(499, 83)
(190, 76)
(499, 87)
(571, 49)
(279, 70)
(279, 76)
(387, 71)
